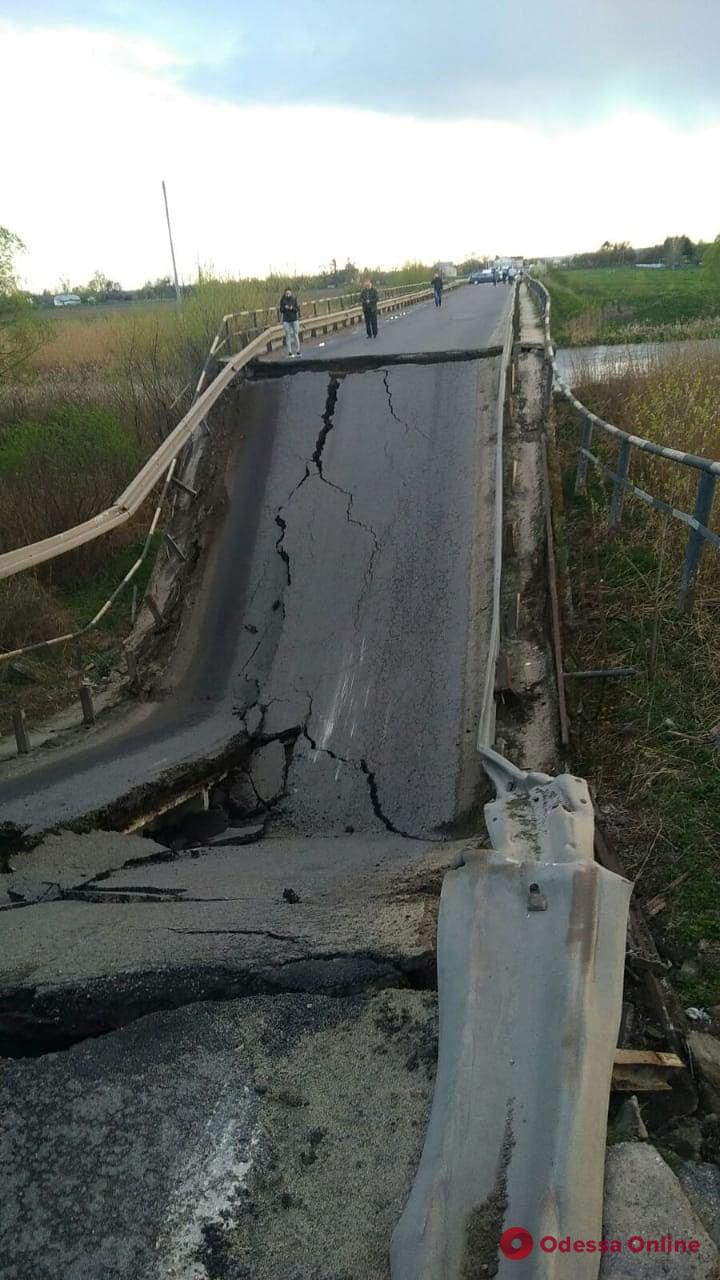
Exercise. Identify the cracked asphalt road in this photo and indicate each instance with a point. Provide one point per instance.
(379, 510)
(344, 592)
(282, 1033)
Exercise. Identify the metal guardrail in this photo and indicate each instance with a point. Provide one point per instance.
(154, 469)
(486, 726)
(708, 469)
(531, 953)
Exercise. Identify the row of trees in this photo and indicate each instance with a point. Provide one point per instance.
(675, 251)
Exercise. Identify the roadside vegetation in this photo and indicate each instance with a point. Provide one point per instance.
(86, 394)
(650, 744)
(632, 304)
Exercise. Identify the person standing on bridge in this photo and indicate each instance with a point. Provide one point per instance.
(437, 284)
(290, 315)
(369, 304)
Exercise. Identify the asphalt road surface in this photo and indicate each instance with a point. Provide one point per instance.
(347, 594)
(470, 317)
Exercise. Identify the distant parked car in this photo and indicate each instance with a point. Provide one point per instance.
(66, 300)
(481, 277)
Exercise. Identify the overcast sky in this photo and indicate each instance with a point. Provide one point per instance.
(383, 130)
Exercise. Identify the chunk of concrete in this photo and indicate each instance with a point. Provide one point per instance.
(67, 859)
(247, 834)
(706, 1052)
(267, 771)
(701, 1184)
(253, 719)
(242, 798)
(629, 1123)
(643, 1198)
(27, 892)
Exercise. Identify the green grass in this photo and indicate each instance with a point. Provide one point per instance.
(75, 437)
(628, 304)
(54, 673)
(83, 599)
(644, 743)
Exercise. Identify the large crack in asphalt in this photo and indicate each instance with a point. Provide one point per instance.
(409, 426)
(328, 425)
(30, 1026)
(371, 780)
(328, 420)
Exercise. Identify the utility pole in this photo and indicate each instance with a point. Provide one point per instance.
(172, 248)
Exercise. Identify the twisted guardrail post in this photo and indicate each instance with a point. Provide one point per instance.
(531, 950)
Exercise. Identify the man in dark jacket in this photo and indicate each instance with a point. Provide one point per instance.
(290, 316)
(369, 304)
(437, 284)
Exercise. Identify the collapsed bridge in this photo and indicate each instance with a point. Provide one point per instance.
(334, 655)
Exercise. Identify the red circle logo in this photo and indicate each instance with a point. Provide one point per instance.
(516, 1243)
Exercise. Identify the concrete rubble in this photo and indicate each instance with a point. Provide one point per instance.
(643, 1198)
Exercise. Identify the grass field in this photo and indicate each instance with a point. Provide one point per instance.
(645, 743)
(628, 304)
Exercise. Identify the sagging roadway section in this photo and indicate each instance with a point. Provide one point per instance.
(345, 594)
(255, 1100)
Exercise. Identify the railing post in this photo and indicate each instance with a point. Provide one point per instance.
(86, 702)
(21, 733)
(618, 495)
(582, 465)
(702, 513)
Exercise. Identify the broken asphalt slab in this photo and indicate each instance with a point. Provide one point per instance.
(65, 860)
(218, 924)
(272, 1138)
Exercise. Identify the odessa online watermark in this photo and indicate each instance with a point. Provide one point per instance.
(517, 1243)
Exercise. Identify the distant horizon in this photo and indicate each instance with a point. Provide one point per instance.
(208, 277)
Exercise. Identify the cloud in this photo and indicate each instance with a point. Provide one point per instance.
(253, 187)
(521, 60)
(499, 59)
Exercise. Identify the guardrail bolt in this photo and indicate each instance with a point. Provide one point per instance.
(21, 733)
(536, 899)
(86, 702)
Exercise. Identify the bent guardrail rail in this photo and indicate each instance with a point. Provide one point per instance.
(153, 471)
(708, 469)
(531, 952)
(486, 724)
